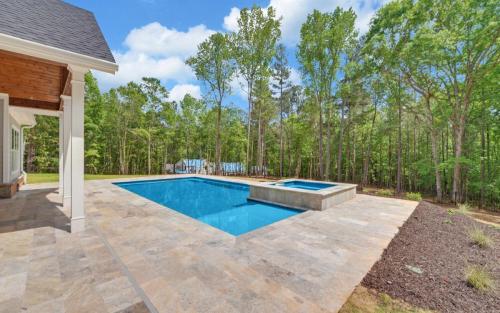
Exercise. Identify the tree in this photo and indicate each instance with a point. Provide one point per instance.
(214, 65)
(323, 39)
(281, 85)
(254, 47)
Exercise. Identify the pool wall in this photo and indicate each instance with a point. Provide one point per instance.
(300, 198)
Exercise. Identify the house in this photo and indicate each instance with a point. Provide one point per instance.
(232, 168)
(46, 48)
(192, 166)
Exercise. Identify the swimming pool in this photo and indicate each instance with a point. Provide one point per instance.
(306, 185)
(221, 204)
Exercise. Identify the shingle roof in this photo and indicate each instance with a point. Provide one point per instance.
(54, 23)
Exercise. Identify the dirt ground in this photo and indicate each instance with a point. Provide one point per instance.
(425, 264)
(364, 300)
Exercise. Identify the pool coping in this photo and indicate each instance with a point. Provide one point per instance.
(115, 183)
(308, 263)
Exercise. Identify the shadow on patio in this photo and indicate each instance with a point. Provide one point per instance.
(32, 208)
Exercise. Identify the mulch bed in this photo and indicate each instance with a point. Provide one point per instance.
(437, 243)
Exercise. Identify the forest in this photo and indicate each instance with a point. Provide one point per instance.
(411, 105)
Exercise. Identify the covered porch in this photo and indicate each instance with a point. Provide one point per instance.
(43, 62)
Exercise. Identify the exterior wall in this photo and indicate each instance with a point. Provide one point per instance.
(302, 199)
(1, 139)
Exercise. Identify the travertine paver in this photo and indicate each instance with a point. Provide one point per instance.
(137, 256)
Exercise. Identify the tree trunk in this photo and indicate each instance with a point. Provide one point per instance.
(259, 143)
(366, 159)
(249, 126)
(149, 153)
(328, 144)
(218, 140)
(281, 130)
(353, 170)
(399, 165)
(456, 193)
(339, 144)
(320, 152)
(481, 202)
(435, 159)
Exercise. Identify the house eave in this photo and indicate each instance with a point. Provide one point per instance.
(34, 49)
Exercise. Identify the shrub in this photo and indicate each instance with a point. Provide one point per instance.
(384, 192)
(463, 208)
(479, 278)
(478, 237)
(414, 196)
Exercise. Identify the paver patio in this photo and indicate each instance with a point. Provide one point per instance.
(137, 256)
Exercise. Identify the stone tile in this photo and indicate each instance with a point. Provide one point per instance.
(84, 299)
(138, 307)
(51, 306)
(118, 294)
(308, 263)
(10, 306)
(12, 286)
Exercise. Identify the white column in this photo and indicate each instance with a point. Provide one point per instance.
(61, 152)
(77, 148)
(4, 109)
(67, 152)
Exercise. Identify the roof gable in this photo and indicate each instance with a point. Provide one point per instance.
(55, 23)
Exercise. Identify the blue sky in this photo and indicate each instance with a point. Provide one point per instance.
(155, 37)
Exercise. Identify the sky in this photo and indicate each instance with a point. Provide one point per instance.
(154, 37)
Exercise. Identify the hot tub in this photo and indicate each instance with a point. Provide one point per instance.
(304, 184)
(303, 194)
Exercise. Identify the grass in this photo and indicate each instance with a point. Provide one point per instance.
(36, 178)
(384, 192)
(478, 237)
(414, 196)
(463, 208)
(479, 278)
(363, 300)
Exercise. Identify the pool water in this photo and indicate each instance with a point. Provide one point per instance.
(223, 205)
(307, 185)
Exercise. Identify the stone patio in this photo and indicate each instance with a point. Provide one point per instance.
(138, 256)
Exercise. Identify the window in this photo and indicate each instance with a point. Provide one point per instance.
(14, 151)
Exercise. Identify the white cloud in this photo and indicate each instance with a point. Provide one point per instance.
(231, 20)
(179, 91)
(133, 66)
(156, 39)
(295, 77)
(239, 87)
(156, 51)
(294, 14)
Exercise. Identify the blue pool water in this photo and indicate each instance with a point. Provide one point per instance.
(223, 205)
(301, 184)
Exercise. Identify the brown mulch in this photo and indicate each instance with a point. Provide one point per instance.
(437, 243)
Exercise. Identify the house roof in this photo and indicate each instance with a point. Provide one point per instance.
(56, 24)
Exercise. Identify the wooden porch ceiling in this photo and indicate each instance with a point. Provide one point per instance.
(32, 82)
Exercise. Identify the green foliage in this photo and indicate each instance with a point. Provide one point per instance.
(384, 192)
(412, 103)
(478, 237)
(414, 196)
(463, 208)
(479, 278)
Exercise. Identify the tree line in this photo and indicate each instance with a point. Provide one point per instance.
(411, 105)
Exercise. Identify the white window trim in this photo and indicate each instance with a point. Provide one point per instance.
(14, 172)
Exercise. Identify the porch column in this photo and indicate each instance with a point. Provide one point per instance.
(61, 152)
(5, 138)
(66, 173)
(77, 148)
